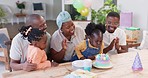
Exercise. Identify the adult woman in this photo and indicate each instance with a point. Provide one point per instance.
(65, 39)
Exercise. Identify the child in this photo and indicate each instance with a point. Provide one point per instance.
(36, 53)
(93, 45)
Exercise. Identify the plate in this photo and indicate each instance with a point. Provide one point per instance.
(106, 67)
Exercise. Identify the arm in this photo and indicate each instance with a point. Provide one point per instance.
(15, 64)
(58, 56)
(43, 65)
(100, 52)
(79, 48)
(102, 47)
(110, 47)
(38, 57)
(122, 47)
(15, 55)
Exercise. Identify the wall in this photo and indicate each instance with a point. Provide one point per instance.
(140, 12)
(97, 4)
(12, 4)
(57, 8)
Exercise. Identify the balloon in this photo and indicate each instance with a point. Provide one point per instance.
(78, 4)
(85, 12)
(87, 3)
(80, 9)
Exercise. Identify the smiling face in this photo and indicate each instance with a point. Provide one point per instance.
(68, 28)
(111, 24)
(40, 23)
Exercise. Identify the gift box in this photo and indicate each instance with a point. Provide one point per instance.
(132, 33)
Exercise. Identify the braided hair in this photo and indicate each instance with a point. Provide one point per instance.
(32, 34)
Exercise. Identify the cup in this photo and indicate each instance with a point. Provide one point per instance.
(87, 64)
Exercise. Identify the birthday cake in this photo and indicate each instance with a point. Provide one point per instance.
(102, 61)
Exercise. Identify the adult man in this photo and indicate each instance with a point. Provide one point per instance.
(18, 50)
(114, 38)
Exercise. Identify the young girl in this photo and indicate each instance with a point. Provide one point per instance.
(93, 45)
(36, 53)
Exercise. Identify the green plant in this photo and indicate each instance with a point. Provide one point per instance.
(20, 5)
(2, 13)
(100, 15)
(80, 17)
(2, 16)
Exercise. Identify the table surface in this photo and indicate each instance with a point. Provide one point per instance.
(20, 15)
(122, 68)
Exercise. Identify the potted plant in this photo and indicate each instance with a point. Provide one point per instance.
(2, 16)
(100, 15)
(20, 5)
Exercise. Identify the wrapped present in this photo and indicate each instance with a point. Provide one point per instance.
(132, 33)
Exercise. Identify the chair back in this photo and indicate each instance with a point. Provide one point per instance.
(4, 43)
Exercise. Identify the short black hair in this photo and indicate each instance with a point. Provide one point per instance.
(94, 28)
(33, 35)
(113, 14)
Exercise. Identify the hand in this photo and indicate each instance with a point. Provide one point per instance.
(112, 44)
(64, 44)
(117, 43)
(82, 58)
(29, 66)
(91, 57)
(54, 64)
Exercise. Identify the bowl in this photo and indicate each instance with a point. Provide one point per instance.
(78, 64)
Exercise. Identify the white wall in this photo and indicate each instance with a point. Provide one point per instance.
(12, 4)
(57, 8)
(53, 6)
(97, 4)
(139, 9)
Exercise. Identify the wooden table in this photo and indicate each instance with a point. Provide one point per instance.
(20, 15)
(122, 68)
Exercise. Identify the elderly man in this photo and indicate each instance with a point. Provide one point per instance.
(65, 39)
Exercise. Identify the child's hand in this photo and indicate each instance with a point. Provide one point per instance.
(64, 44)
(91, 57)
(82, 58)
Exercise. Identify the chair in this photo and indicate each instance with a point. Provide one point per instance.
(9, 13)
(39, 8)
(4, 53)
